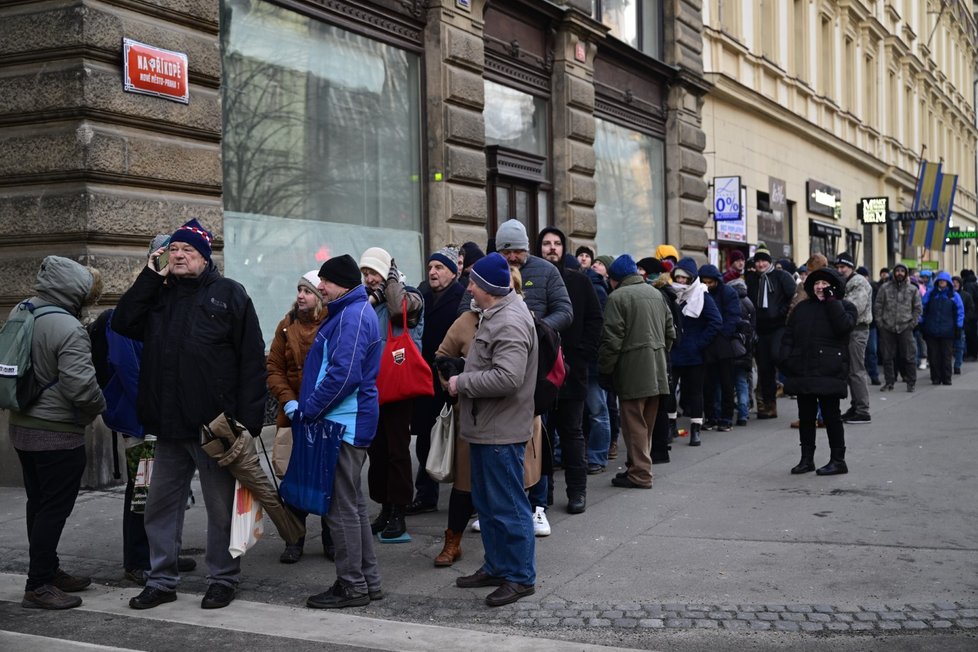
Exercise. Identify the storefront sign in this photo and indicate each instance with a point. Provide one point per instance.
(873, 210)
(956, 234)
(726, 199)
(154, 71)
(823, 230)
(823, 200)
(734, 230)
(951, 241)
(913, 216)
(464, 4)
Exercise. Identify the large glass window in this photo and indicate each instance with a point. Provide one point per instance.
(515, 119)
(322, 150)
(630, 179)
(635, 22)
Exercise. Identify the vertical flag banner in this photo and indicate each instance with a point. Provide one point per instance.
(925, 199)
(938, 229)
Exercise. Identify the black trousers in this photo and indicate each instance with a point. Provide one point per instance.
(971, 338)
(566, 420)
(52, 480)
(767, 372)
(389, 477)
(690, 389)
(831, 415)
(940, 357)
(902, 349)
(426, 410)
(135, 543)
(719, 376)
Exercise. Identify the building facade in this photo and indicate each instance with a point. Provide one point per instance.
(320, 127)
(817, 104)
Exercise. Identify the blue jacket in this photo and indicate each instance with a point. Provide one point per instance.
(339, 379)
(698, 333)
(726, 298)
(943, 310)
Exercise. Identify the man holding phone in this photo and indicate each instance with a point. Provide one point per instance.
(203, 355)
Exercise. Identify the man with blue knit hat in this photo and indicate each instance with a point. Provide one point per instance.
(203, 356)
(635, 342)
(495, 393)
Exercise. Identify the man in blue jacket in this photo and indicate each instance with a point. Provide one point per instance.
(339, 383)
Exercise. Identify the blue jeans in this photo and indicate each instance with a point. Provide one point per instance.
(872, 355)
(599, 437)
(505, 517)
(742, 391)
(959, 351)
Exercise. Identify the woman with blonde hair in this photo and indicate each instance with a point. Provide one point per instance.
(293, 338)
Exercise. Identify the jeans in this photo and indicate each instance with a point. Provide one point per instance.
(718, 392)
(505, 517)
(173, 469)
(742, 387)
(872, 355)
(51, 480)
(599, 437)
(356, 563)
(959, 346)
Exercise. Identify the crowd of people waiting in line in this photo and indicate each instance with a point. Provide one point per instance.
(646, 342)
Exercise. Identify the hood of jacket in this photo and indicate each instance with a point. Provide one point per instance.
(825, 274)
(560, 264)
(63, 282)
(711, 271)
(943, 276)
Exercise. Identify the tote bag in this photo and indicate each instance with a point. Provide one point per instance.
(308, 482)
(403, 372)
(440, 464)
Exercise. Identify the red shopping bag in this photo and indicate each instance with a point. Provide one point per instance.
(403, 372)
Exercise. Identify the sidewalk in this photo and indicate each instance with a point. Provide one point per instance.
(727, 542)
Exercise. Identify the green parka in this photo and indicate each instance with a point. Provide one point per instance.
(638, 334)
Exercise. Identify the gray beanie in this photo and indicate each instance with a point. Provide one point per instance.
(160, 240)
(512, 235)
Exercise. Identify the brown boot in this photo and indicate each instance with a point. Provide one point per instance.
(452, 551)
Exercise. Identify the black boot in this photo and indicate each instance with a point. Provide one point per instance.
(836, 465)
(673, 430)
(694, 434)
(807, 463)
(381, 521)
(395, 526)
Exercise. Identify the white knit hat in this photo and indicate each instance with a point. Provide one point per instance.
(311, 280)
(376, 259)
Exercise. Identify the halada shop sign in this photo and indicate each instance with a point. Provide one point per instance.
(155, 71)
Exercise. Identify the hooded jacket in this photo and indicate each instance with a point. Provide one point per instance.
(780, 288)
(580, 339)
(62, 352)
(898, 306)
(860, 294)
(814, 353)
(943, 310)
(698, 330)
(203, 352)
(339, 381)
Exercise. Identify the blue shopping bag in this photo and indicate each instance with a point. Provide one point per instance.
(308, 481)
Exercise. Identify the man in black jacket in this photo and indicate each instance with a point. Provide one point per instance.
(580, 345)
(203, 356)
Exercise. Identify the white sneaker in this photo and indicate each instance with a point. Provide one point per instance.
(475, 526)
(923, 365)
(541, 526)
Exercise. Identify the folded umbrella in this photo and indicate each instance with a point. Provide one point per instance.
(232, 446)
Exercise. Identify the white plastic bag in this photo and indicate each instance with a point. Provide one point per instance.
(246, 521)
(440, 464)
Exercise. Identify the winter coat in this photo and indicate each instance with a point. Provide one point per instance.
(543, 291)
(61, 352)
(898, 306)
(728, 303)
(117, 362)
(496, 388)
(339, 380)
(698, 333)
(814, 355)
(970, 312)
(781, 289)
(600, 286)
(203, 352)
(635, 341)
(747, 327)
(860, 294)
(287, 356)
(943, 310)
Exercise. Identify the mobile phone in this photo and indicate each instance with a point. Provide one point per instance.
(162, 260)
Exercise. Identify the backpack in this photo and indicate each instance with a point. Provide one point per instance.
(551, 370)
(18, 385)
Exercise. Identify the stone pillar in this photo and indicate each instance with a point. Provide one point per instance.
(89, 171)
(686, 188)
(574, 190)
(455, 59)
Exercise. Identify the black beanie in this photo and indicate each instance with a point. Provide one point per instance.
(472, 254)
(342, 271)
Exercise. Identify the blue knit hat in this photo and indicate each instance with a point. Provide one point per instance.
(623, 266)
(447, 256)
(492, 275)
(688, 265)
(196, 236)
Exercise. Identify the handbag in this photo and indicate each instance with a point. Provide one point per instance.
(247, 525)
(308, 482)
(281, 451)
(403, 373)
(440, 464)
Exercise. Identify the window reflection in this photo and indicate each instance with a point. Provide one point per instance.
(515, 119)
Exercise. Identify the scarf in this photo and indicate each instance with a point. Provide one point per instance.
(690, 297)
(764, 290)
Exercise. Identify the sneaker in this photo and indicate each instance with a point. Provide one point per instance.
(508, 593)
(69, 583)
(709, 424)
(186, 564)
(48, 596)
(724, 427)
(741, 422)
(418, 507)
(594, 469)
(887, 387)
(218, 596)
(541, 526)
(957, 371)
(858, 418)
(339, 596)
(874, 381)
(923, 365)
(475, 526)
(152, 597)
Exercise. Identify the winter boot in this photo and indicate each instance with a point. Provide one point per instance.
(694, 434)
(673, 430)
(837, 463)
(380, 523)
(452, 551)
(396, 530)
(807, 463)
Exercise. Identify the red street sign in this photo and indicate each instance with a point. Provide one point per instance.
(154, 71)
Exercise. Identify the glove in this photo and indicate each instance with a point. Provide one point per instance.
(376, 296)
(828, 294)
(393, 276)
(290, 408)
(605, 382)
